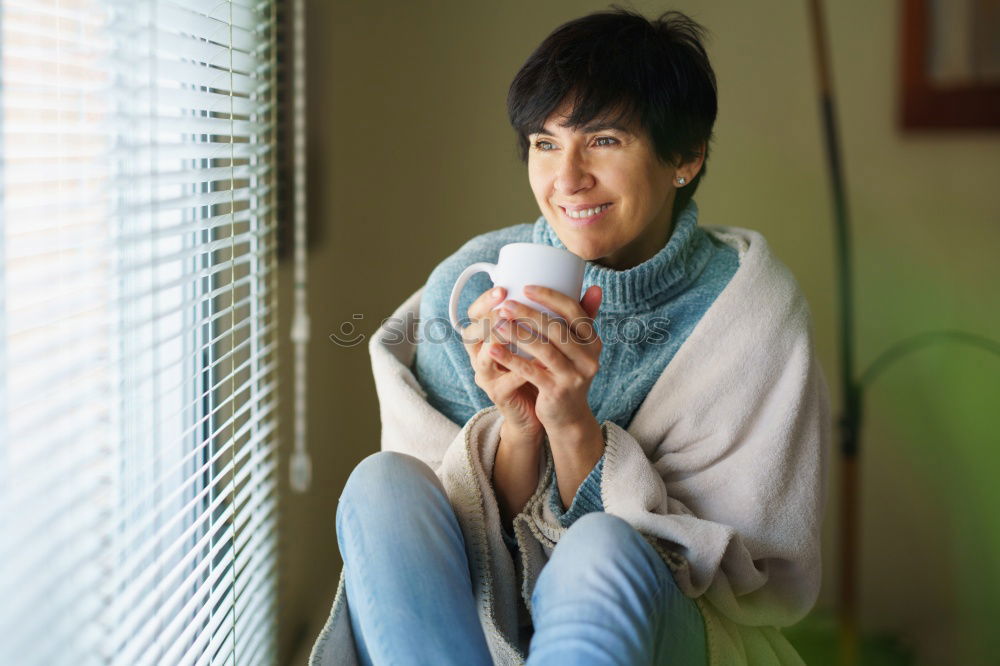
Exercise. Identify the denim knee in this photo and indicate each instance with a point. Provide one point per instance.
(375, 478)
(597, 545)
(606, 595)
(600, 536)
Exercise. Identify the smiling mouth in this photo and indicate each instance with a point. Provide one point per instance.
(584, 213)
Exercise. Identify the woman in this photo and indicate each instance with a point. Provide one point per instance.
(638, 493)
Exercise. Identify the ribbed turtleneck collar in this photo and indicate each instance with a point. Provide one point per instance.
(651, 282)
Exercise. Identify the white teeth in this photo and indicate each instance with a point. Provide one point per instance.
(586, 213)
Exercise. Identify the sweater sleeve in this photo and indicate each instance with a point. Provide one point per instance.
(586, 500)
(436, 365)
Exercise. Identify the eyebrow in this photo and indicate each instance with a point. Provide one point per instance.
(590, 129)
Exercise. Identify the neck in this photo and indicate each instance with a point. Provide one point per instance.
(671, 267)
(641, 249)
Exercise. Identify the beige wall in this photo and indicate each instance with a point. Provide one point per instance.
(411, 155)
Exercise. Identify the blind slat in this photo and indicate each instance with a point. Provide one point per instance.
(77, 371)
(35, 95)
(41, 130)
(205, 588)
(139, 551)
(180, 627)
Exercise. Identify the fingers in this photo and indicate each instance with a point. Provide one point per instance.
(582, 348)
(579, 316)
(549, 355)
(475, 334)
(566, 355)
(505, 385)
(487, 300)
(478, 352)
(591, 300)
(560, 303)
(493, 377)
(483, 362)
(532, 371)
(478, 330)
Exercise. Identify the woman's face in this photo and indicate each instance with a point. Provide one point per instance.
(603, 189)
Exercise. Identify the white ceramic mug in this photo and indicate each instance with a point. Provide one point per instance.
(521, 264)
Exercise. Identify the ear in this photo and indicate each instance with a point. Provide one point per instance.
(688, 170)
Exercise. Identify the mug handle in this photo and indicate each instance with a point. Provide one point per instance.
(456, 291)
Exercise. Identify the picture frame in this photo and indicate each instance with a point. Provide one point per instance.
(950, 64)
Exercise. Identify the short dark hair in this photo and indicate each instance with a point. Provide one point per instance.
(617, 64)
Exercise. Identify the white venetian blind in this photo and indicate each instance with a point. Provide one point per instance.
(137, 332)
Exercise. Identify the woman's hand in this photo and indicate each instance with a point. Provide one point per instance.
(509, 391)
(566, 355)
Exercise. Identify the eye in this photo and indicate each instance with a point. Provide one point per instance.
(543, 145)
(605, 141)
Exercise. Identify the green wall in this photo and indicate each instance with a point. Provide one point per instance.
(410, 155)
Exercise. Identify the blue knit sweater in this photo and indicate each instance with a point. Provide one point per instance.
(647, 312)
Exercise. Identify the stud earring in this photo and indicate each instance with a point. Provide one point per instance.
(681, 180)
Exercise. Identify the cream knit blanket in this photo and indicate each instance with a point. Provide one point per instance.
(723, 469)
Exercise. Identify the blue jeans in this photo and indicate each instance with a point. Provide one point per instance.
(604, 596)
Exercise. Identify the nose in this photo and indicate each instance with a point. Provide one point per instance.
(573, 175)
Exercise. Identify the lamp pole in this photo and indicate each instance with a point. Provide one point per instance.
(849, 431)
